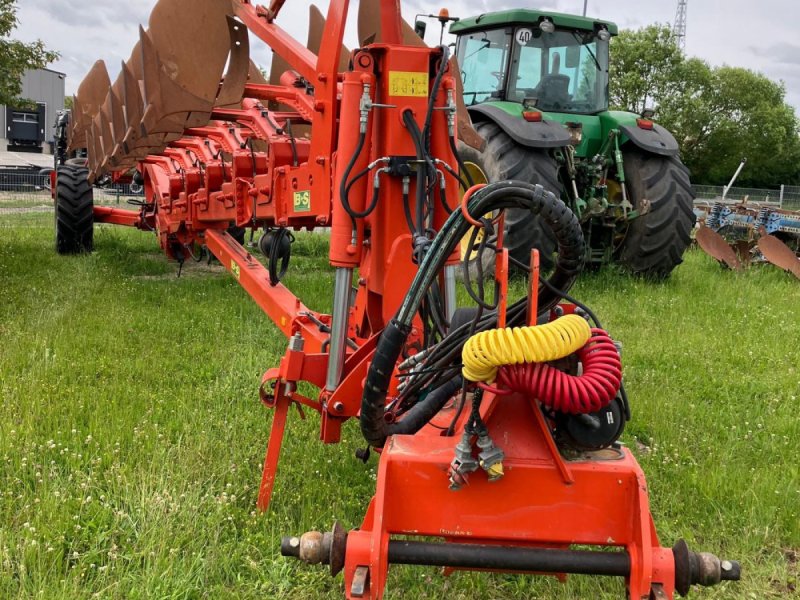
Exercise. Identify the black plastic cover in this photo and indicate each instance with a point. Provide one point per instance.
(656, 140)
(544, 134)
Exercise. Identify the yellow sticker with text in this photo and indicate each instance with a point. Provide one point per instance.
(302, 201)
(235, 270)
(408, 83)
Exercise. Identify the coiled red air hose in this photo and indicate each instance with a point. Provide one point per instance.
(595, 388)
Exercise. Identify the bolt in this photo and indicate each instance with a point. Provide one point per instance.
(296, 342)
(338, 407)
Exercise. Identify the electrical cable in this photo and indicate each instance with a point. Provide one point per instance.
(586, 393)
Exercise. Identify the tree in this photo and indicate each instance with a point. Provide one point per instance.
(17, 57)
(718, 114)
(643, 66)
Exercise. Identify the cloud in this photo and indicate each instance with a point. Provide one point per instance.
(784, 53)
(86, 30)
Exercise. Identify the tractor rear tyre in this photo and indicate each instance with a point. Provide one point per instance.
(659, 188)
(74, 207)
(501, 159)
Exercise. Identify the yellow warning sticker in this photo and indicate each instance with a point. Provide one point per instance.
(302, 201)
(235, 270)
(408, 83)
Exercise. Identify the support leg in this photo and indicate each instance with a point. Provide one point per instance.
(273, 449)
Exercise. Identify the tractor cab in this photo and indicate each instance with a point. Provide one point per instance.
(545, 61)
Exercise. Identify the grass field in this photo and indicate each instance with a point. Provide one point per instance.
(131, 436)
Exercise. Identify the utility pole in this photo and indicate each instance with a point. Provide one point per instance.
(585, 2)
(679, 27)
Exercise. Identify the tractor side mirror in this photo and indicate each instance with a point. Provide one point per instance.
(419, 28)
(573, 57)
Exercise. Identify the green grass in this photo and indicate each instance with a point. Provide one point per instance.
(131, 436)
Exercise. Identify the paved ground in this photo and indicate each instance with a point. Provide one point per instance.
(24, 159)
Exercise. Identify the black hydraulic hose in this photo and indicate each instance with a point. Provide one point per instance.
(349, 186)
(343, 184)
(422, 412)
(443, 198)
(495, 196)
(461, 164)
(437, 82)
(414, 132)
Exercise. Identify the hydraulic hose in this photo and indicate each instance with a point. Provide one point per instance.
(565, 393)
(343, 190)
(437, 82)
(486, 351)
(422, 412)
(496, 196)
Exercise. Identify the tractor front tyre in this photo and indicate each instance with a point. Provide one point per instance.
(501, 159)
(74, 211)
(660, 190)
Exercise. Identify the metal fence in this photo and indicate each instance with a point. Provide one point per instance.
(786, 196)
(30, 192)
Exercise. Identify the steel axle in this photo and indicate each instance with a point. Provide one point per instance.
(691, 568)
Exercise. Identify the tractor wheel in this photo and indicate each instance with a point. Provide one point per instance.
(656, 240)
(502, 159)
(74, 205)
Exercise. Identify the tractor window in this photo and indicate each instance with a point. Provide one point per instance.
(483, 58)
(563, 71)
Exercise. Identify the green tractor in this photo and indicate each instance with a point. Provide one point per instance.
(536, 88)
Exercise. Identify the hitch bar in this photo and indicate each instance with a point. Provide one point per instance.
(691, 568)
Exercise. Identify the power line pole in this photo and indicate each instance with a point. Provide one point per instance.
(679, 27)
(585, 2)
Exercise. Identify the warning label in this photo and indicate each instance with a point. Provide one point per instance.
(408, 83)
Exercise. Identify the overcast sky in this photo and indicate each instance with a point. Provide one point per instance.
(757, 35)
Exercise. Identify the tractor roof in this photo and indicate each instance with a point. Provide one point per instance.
(522, 16)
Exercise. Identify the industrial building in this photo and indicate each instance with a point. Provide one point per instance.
(33, 130)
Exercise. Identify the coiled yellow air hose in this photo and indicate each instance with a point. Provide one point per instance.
(484, 352)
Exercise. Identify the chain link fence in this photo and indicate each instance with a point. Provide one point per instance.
(22, 192)
(787, 197)
(30, 192)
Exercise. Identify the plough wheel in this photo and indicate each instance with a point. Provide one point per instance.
(74, 211)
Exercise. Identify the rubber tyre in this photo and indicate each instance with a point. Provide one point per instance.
(74, 208)
(502, 159)
(655, 241)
